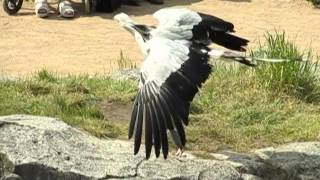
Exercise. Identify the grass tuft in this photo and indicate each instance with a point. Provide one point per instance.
(45, 75)
(297, 77)
(125, 62)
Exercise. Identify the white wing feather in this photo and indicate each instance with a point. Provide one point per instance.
(165, 57)
(169, 46)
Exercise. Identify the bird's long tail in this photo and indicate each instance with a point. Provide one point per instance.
(242, 58)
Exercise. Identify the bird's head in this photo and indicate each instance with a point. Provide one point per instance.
(126, 22)
(123, 19)
(139, 31)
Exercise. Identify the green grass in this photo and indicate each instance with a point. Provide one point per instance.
(244, 108)
(75, 99)
(238, 108)
(234, 111)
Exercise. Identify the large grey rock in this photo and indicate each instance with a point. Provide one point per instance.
(289, 161)
(48, 149)
(187, 169)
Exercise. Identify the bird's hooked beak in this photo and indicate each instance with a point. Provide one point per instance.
(125, 21)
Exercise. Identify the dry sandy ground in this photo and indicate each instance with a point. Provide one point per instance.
(92, 44)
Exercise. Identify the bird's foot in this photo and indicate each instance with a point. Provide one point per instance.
(179, 152)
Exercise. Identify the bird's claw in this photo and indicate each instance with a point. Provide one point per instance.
(179, 152)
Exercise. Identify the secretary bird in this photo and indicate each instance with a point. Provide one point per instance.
(175, 66)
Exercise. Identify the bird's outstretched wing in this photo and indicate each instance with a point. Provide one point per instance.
(170, 78)
(172, 73)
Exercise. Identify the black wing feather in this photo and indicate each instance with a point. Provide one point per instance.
(156, 132)
(214, 29)
(228, 40)
(163, 131)
(148, 130)
(138, 133)
(166, 107)
(133, 120)
(216, 23)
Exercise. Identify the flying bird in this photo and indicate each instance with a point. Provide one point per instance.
(175, 66)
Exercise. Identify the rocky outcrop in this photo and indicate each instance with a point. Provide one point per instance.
(48, 149)
(44, 148)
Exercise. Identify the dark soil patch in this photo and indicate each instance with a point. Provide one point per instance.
(117, 112)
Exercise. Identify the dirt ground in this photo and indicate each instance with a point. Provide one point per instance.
(92, 43)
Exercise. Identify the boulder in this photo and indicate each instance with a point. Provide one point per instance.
(48, 149)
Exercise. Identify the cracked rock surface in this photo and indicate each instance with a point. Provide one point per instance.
(43, 148)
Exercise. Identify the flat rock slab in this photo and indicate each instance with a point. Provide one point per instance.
(48, 149)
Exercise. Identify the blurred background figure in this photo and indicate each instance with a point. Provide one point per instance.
(111, 5)
(42, 9)
(65, 8)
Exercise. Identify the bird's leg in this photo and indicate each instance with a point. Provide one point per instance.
(179, 151)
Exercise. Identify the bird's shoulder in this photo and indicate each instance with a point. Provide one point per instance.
(177, 16)
(165, 56)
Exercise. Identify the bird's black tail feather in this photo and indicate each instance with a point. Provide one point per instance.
(228, 40)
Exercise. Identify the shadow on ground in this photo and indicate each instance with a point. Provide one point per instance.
(116, 112)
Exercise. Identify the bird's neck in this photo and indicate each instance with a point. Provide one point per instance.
(142, 44)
